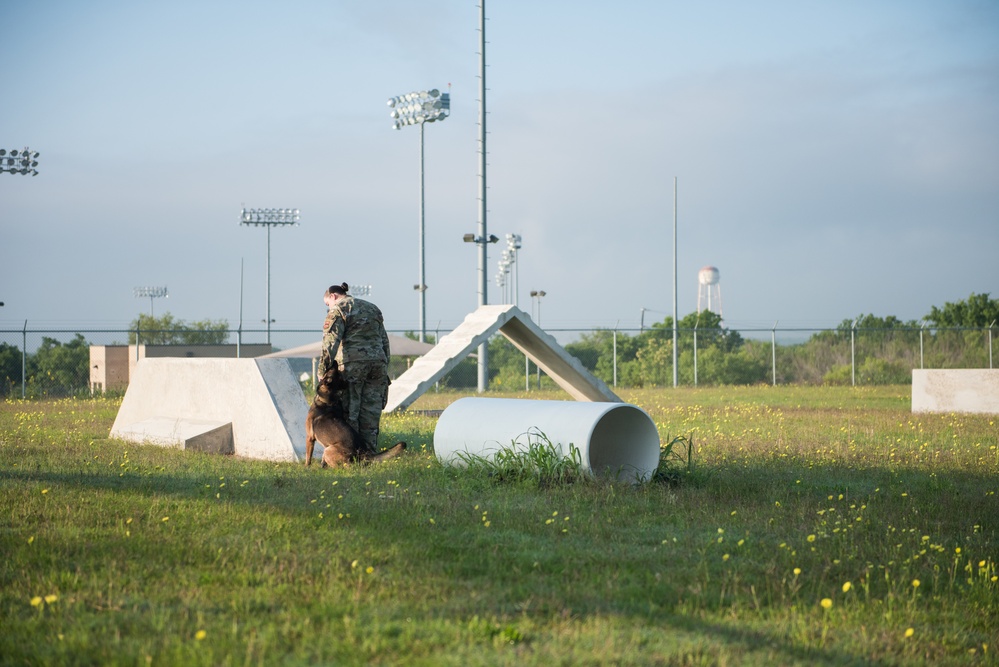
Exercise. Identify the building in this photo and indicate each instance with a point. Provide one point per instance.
(111, 365)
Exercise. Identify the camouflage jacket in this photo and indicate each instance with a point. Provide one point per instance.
(353, 331)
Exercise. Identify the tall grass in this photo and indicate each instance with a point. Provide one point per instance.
(815, 525)
(537, 460)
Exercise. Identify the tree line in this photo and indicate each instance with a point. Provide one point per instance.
(876, 350)
(868, 349)
(63, 369)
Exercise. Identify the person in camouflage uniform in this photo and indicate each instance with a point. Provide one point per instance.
(354, 338)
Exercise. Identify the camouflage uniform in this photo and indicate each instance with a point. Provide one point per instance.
(354, 337)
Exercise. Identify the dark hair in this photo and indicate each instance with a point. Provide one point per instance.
(337, 289)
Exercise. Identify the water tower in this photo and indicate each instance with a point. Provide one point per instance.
(709, 290)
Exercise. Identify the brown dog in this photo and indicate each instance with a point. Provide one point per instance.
(327, 424)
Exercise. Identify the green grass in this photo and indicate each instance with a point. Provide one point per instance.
(794, 496)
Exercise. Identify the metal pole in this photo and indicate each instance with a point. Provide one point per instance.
(695, 353)
(675, 382)
(853, 354)
(615, 356)
(921, 328)
(990, 342)
(773, 352)
(516, 277)
(24, 358)
(239, 331)
(423, 258)
(516, 297)
(483, 366)
(539, 326)
(268, 284)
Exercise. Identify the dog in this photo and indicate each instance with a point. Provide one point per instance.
(326, 423)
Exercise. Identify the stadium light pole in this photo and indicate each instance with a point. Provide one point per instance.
(503, 280)
(501, 276)
(483, 361)
(675, 374)
(269, 217)
(420, 108)
(19, 162)
(482, 241)
(508, 260)
(151, 293)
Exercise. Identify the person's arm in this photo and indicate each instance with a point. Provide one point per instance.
(333, 337)
(385, 343)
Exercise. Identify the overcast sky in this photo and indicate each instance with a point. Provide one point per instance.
(832, 158)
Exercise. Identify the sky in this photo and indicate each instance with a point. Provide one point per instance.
(831, 159)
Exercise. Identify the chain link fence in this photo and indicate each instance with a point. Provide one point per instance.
(57, 362)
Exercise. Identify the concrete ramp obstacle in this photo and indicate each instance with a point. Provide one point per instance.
(248, 407)
(519, 329)
(971, 390)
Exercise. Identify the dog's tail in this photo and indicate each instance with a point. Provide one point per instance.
(390, 453)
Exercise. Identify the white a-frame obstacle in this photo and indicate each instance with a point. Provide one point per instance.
(519, 329)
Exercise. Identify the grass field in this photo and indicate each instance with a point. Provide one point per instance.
(819, 526)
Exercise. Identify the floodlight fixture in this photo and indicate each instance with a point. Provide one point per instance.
(419, 108)
(472, 238)
(269, 217)
(507, 260)
(151, 293)
(513, 246)
(16, 161)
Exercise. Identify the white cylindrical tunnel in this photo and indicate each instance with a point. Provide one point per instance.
(619, 440)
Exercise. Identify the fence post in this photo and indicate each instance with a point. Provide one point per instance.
(990, 343)
(853, 356)
(695, 351)
(615, 356)
(437, 339)
(24, 358)
(922, 327)
(773, 351)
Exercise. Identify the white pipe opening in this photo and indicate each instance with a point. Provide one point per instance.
(619, 440)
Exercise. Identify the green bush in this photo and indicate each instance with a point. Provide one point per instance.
(838, 376)
(876, 371)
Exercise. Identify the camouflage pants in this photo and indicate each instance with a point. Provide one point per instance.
(367, 394)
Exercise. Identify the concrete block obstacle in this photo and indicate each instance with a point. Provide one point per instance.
(519, 329)
(972, 390)
(201, 435)
(248, 407)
